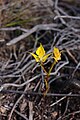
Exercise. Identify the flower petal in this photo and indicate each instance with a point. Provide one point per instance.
(55, 59)
(45, 57)
(40, 51)
(57, 54)
(36, 57)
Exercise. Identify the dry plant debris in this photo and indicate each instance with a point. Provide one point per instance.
(47, 87)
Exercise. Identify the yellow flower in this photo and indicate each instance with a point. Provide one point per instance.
(57, 54)
(40, 55)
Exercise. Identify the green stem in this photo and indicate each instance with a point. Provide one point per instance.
(51, 68)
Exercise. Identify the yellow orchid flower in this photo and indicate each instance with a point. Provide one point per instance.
(57, 54)
(40, 55)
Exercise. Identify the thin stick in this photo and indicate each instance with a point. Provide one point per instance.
(17, 85)
(10, 115)
(69, 17)
(73, 113)
(37, 93)
(59, 100)
(20, 114)
(34, 29)
(30, 110)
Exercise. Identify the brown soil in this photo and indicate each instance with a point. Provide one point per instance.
(52, 23)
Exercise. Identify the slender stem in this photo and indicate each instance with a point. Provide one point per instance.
(47, 85)
(51, 67)
(46, 79)
(41, 64)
